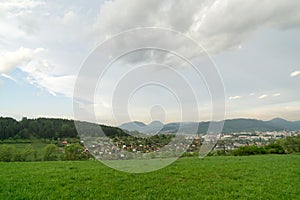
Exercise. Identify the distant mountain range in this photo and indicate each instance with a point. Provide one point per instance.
(232, 125)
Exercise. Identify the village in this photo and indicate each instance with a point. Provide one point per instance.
(258, 138)
(160, 145)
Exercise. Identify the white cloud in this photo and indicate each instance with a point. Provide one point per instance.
(69, 17)
(295, 73)
(19, 4)
(57, 27)
(11, 60)
(276, 95)
(8, 77)
(39, 73)
(234, 97)
(263, 96)
(14, 15)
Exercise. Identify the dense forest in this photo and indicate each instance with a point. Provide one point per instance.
(46, 128)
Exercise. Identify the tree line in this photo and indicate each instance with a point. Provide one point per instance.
(9, 153)
(46, 128)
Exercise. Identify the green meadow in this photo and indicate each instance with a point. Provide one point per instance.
(221, 177)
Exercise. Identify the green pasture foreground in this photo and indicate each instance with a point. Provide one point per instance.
(253, 177)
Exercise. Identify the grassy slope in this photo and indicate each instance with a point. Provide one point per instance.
(255, 177)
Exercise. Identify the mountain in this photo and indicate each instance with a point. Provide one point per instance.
(284, 124)
(152, 128)
(231, 125)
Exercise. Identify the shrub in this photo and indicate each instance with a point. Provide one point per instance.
(249, 150)
(7, 153)
(291, 144)
(75, 152)
(275, 148)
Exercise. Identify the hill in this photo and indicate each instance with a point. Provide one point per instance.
(231, 125)
(49, 128)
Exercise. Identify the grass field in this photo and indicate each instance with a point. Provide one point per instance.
(253, 177)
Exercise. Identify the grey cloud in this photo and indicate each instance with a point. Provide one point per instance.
(217, 25)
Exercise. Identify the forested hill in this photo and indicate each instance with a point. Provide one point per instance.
(46, 128)
(60, 128)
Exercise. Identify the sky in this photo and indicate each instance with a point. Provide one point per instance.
(252, 45)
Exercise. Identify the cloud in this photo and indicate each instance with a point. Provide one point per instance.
(234, 97)
(8, 77)
(40, 73)
(70, 32)
(295, 73)
(217, 25)
(276, 95)
(263, 96)
(286, 110)
(226, 24)
(19, 4)
(11, 60)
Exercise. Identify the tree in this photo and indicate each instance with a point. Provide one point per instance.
(50, 152)
(275, 148)
(290, 144)
(24, 134)
(7, 153)
(27, 152)
(74, 152)
(49, 128)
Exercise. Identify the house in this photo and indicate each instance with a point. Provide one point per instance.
(64, 142)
